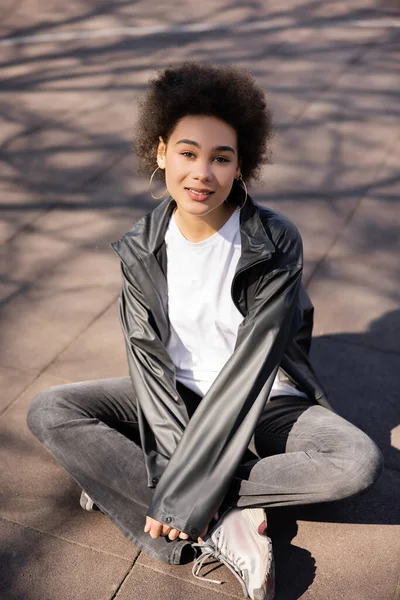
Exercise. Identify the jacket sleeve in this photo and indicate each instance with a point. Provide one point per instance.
(153, 378)
(199, 473)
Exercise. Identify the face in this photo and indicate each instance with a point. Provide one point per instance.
(201, 163)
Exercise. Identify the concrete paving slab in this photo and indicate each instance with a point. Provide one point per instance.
(33, 116)
(28, 15)
(112, 192)
(50, 315)
(358, 283)
(307, 65)
(66, 69)
(345, 303)
(79, 16)
(336, 560)
(312, 561)
(362, 384)
(85, 226)
(99, 352)
(318, 219)
(146, 583)
(38, 566)
(211, 570)
(35, 71)
(59, 283)
(18, 209)
(57, 158)
(12, 383)
(368, 91)
(317, 180)
(295, 64)
(37, 492)
(330, 159)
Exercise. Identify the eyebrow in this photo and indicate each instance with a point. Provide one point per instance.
(215, 149)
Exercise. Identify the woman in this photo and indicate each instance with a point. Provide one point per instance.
(221, 401)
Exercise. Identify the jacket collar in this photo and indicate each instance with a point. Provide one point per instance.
(147, 235)
(145, 243)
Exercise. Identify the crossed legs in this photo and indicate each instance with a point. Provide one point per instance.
(91, 429)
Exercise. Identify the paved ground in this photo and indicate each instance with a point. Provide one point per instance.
(70, 76)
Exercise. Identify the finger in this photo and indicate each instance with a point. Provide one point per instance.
(173, 534)
(147, 525)
(183, 536)
(202, 534)
(156, 529)
(166, 529)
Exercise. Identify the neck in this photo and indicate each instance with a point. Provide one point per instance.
(196, 229)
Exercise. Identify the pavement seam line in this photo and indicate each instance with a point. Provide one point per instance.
(3, 412)
(63, 539)
(350, 216)
(198, 584)
(55, 120)
(53, 360)
(59, 205)
(367, 47)
(129, 571)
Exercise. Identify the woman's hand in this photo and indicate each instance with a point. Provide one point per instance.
(156, 528)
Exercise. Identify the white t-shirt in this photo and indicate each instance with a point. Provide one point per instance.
(203, 318)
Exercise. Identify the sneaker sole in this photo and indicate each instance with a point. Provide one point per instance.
(267, 591)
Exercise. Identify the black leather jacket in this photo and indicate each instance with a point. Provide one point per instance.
(191, 462)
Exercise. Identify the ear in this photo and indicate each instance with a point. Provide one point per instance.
(161, 150)
(238, 169)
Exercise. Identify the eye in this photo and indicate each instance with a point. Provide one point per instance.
(222, 159)
(187, 153)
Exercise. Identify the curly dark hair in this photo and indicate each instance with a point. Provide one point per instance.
(226, 92)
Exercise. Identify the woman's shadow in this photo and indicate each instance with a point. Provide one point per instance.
(360, 372)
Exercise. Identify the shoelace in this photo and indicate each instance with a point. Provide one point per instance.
(209, 551)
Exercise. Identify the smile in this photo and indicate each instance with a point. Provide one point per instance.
(199, 195)
(200, 192)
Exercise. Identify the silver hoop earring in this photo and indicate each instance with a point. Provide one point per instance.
(151, 181)
(243, 185)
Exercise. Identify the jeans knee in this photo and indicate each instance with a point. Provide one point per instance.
(363, 468)
(41, 412)
(373, 466)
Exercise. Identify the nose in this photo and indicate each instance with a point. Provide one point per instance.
(203, 171)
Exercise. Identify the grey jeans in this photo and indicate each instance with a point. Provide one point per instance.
(300, 453)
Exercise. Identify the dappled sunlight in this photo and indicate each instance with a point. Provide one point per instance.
(72, 74)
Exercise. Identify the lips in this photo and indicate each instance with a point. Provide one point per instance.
(199, 195)
(201, 192)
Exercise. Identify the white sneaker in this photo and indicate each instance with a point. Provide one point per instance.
(239, 541)
(87, 503)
